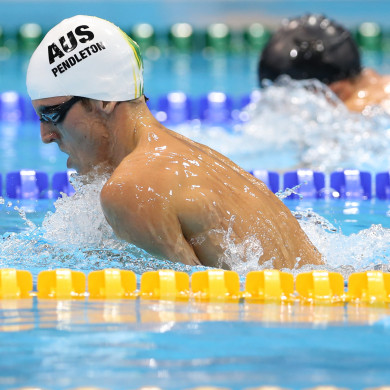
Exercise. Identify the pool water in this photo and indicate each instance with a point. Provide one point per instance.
(73, 233)
(64, 344)
(195, 73)
(301, 126)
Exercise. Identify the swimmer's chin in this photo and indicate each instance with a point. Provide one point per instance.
(81, 170)
(69, 164)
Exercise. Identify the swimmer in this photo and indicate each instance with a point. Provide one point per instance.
(175, 198)
(315, 47)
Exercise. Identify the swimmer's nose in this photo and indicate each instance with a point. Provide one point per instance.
(48, 135)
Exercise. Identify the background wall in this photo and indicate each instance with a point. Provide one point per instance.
(200, 13)
(201, 71)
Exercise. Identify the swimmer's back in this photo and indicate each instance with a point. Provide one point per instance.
(370, 89)
(216, 202)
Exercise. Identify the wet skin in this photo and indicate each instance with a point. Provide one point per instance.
(173, 197)
(368, 88)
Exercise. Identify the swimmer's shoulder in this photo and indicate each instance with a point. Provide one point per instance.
(127, 192)
(137, 174)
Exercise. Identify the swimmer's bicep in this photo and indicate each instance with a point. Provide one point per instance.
(152, 226)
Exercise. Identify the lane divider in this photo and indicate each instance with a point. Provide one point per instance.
(61, 284)
(369, 287)
(269, 285)
(320, 286)
(260, 387)
(112, 284)
(15, 283)
(189, 38)
(349, 184)
(166, 285)
(214, 285)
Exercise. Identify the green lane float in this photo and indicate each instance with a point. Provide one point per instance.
(29, 36)
(369, 36)
(181, 37)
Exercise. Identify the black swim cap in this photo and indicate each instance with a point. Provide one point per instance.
(311, 46)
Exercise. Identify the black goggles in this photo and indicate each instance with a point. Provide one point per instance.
(56, 114)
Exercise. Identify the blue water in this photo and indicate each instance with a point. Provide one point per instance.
(297, 141)
(173, 346)
(162, 14)
(196, 73)
(64, 344)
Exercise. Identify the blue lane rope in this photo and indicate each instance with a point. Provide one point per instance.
(349, 184)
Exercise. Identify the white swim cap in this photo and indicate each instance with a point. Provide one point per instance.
(89, 57)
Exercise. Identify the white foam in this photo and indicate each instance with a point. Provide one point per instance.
(306, 120)
(77, 235)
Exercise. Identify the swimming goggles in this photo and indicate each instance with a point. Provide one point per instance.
(56, 114)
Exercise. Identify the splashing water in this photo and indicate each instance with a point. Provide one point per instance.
(289, 191)
(305, 125)
(306, 120)
(241, 257)
(77, 236)
(366, 250)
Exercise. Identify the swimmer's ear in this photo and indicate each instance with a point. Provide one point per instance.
(106, 107)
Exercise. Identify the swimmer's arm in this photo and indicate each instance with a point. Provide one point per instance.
(149, 224)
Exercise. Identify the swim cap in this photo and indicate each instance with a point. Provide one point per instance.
(308, 47)
(89, 57)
